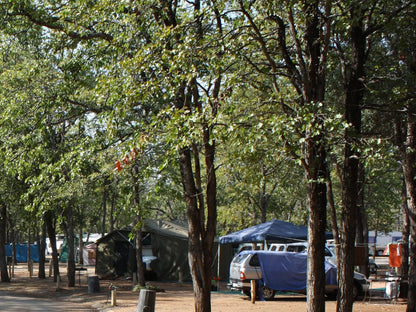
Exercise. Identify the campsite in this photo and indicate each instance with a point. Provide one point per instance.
(166, 243)
(172, 297)
(169, 126)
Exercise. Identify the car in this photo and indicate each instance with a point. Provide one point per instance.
(283, 272)
(302, 247)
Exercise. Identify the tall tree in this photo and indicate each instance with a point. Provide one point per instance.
(298, 49)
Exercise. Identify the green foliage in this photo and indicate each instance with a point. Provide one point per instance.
(102, 78)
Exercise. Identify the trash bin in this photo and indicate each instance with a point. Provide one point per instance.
(147, 300)
(93, 284)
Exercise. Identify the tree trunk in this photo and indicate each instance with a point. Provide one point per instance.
(200, 244)
(42, 252)
(81, 246)
(3, 226)
(71, 244)
(13, 239)
(139, 225)
(313, 88)
(353, 99)
(333, 216)
(28, 253)
(105, 198)
(410, 180)
(400, 141)
(316, 191)
(405, 236)
(263, 195)
(362, 226)
(50, 226)
(112, 208)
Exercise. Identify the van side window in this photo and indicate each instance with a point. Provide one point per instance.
(281, 248)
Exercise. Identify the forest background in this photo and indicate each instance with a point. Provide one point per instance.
(223, 114)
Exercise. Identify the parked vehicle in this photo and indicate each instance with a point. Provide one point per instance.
(302, 247)
(282, 271)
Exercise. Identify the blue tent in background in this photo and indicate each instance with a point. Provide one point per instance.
(273, 231)
(21, 252)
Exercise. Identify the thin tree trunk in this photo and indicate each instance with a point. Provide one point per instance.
(316, 192)
(333, 214)
(105, 198)
(28, 253)
(362, 226)
(68, 226)
(50, 226)
(42, 252)
(13, 239)
(112, 208)
(3, 226)
(81, 246)
(410, 179)
(139, 225)
(196, 254)
(405, 245)
(353, 98)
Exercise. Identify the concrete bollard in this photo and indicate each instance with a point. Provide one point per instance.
(113, 297)
(147, 300)
(93, 284)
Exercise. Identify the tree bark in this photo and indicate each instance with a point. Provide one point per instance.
(105, 198)
(353, 99)
(316, 192)
(405, 236)
(362, 224)
(50, 225)
(409, 170)
(139, 225)
(3, 226)
(200, 240)
(315, 157)
(42, 252)
(71, 244)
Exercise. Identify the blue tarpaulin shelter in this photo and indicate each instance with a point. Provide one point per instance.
(287, 271)
(275, 230)
(21, 252)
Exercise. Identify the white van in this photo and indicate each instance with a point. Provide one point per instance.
(302, 247)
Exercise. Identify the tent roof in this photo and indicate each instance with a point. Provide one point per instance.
(275, 230)
(166, 228)
(163, 228)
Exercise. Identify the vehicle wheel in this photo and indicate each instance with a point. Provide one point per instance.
(268, 293)
(247, 292)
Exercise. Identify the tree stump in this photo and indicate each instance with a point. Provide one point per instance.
(147, 300)
(93, 284)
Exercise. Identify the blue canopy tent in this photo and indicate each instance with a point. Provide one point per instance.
(272, 231)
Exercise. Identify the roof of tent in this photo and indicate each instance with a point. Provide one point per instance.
(275, 230)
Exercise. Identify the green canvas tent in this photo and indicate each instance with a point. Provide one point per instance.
(167, 241)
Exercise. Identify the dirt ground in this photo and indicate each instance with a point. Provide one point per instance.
(170, 297)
